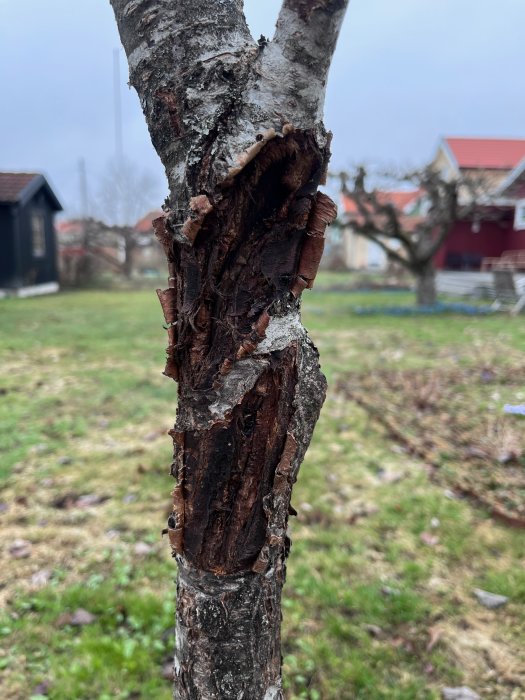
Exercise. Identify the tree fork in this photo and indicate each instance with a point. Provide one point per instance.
(238, 127)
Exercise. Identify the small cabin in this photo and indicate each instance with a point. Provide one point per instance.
(28, 247)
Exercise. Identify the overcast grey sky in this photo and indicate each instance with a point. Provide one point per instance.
(405, 73)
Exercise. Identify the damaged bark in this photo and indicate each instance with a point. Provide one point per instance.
(238, 127)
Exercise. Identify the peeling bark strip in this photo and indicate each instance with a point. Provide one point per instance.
(238, 128)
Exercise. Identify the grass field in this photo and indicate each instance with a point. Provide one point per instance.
(386, 553)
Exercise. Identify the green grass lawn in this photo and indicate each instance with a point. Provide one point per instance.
(378, 602)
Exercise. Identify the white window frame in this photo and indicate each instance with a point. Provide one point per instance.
(38, 234)
(519, 215)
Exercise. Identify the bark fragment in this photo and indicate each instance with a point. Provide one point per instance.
(323, 213)
(200, 207)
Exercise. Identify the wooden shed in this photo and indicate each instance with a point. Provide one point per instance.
(28, 248)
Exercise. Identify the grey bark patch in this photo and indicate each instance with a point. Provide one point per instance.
(281, 332)
(227, 636)
(235, 385)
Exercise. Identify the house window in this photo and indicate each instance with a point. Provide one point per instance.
(519, 217)
(38, 235)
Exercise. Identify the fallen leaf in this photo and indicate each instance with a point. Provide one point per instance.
(65, 501)
(20, 549)
(374, 631)
(79, 618)
(82, 617)
(142, 549)
(435, 635)
(387, 590)
(40, 578)
(463, 693)
(475, 453)
(361, 510)
(505, 456)
(388, 476)
(490, 600)
(41, 689)
(486, 375)
(429, 539)
(90, 499)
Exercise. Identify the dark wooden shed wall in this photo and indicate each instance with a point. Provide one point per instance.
(7, 251)
(18, 265)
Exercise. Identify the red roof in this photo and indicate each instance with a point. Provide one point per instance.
(144, 225)
(400, 199)
(13, 184)
(69, 226)
(493, 154)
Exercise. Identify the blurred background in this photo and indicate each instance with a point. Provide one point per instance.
(407, 572)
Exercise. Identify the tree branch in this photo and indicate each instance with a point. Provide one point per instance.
(373, 234)
(184, 61)
(306, 35)
(369, 208)
(421, 236)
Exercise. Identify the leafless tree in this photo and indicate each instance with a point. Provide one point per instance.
(238, 126)
(412, 241)
(110, 244)
(125, 192)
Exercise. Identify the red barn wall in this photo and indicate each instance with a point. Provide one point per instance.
(516, 240)
(465, 249)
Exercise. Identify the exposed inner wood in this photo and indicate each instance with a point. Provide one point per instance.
(251, 250)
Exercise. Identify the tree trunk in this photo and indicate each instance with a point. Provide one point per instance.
(129, 246)
(238, 128)
(426, 294)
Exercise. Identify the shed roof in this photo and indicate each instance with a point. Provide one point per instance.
(19, 187)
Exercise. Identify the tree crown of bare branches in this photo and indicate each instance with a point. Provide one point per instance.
(440, 203)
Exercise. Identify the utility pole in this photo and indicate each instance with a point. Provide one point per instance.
(119, 147)
(84, 199)
(84, 203)
(121, 195)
